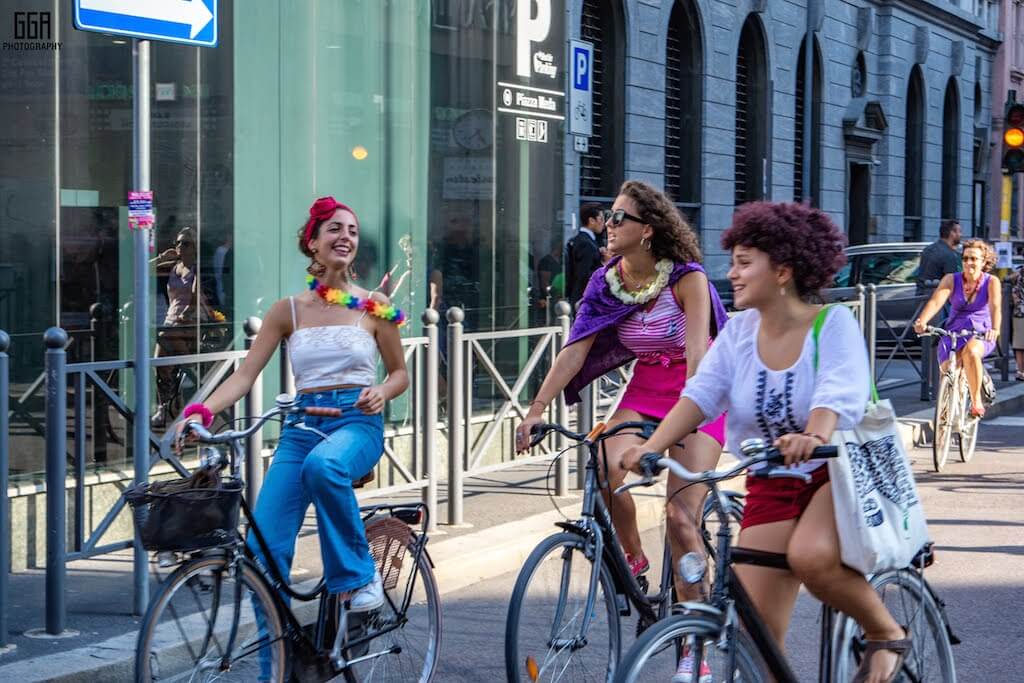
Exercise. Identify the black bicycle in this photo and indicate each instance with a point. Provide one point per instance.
(224, 615)
(730, 642)
(564, 614)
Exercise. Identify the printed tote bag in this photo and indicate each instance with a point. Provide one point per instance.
(879, 516)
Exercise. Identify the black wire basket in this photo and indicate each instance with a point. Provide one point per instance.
(181, 516)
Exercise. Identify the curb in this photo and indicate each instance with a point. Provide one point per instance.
(918, 427)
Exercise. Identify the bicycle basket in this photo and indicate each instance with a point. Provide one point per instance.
(389, 539)
(178, 515)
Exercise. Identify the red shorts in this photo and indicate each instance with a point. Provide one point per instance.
(776, 500)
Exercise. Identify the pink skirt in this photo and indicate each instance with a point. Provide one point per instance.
(654, 390)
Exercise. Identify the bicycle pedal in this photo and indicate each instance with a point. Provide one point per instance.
(644, 583)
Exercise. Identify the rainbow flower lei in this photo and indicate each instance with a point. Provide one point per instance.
(342, 298)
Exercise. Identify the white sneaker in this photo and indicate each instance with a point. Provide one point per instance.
(684, 673)
(369, 597)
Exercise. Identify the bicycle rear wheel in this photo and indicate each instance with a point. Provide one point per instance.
(188, 627)
(910, 602)
(545, 613)
(655, 655)
(405, 634)
(945, 418)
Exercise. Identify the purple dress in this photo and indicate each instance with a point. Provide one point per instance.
(965, 315)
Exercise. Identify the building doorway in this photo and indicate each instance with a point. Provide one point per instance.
(858, 209)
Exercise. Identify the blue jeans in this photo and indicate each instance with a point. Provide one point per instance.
(307, 468)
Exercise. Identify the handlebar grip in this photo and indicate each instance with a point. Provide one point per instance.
(649, 464)
(322, 411)
(826, 452)
(538, 435)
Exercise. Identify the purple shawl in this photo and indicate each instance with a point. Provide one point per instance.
(599, 314)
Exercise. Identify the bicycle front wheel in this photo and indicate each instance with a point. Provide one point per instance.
(655, 656)
(402, 638)
(908, 599)
(967, 439)
(545, 639)
(211, 622)
(945, 418)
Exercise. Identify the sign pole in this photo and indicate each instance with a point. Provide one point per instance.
(140, 181)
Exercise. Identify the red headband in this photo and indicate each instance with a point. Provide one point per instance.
(321, 210)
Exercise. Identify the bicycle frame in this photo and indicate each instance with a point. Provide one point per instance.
(596, 525)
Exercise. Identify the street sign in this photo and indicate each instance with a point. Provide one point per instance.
(192, 22)
(581, 57)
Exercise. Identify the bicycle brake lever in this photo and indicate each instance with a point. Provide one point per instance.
(646, 481)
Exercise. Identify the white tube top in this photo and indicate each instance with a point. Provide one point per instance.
(332, 355)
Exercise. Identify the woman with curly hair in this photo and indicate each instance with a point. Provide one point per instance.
(976, 304)
(652, 301)
(780, 386)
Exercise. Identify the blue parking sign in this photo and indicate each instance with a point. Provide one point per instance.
(581, 56)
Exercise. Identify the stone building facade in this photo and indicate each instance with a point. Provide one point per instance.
(711, 95)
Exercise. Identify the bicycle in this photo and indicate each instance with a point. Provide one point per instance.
(953, 405)
(563, 619)
(729, 636)
(224, 615)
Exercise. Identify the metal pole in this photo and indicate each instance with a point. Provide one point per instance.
(927, 361)
(1004, 334)
(563, 311)
(586, 421)
(98, 329)
(56, 477)
(861, 313)
(253, 406)
(455, 380)
(872, 329)
(430, 398)
(808, 138)
(140, 181)
(5, 502)
(287, 380)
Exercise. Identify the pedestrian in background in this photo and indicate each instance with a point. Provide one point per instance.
(940, 258)
(583, 253)
(1017, 292)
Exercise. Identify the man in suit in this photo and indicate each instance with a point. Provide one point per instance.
(583, 254)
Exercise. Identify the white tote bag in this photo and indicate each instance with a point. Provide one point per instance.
(879, 516)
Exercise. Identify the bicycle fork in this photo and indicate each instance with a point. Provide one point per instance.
(579, 640)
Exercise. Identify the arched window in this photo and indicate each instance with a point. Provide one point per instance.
(813, 191)
(683, 101)
(913, 157)
(601, 166)
(752, 113)
(950, 150)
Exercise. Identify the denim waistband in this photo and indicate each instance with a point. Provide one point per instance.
(330, 398)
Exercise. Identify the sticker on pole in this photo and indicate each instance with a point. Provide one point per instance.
(140, 210)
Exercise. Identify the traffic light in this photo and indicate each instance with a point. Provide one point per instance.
(1013, 138)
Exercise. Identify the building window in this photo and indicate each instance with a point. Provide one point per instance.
(683, 101)
(601, 166)
(812, 192)
(950, 150)
(914, 157)
(752, 113)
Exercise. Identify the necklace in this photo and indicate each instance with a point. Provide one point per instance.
(340, 297)
(663, 268)
(969, 293)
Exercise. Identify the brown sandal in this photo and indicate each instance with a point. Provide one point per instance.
(900, 647)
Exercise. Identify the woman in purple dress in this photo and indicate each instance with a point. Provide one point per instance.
(975, 298)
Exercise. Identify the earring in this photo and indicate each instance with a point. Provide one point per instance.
(782, 291)
(646, 243)
(316, 269)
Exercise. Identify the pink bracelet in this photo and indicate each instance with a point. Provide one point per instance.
(201, 410)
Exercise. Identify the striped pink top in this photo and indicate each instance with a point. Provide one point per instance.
(657, 334)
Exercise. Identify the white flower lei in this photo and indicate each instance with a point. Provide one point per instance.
(662, 267)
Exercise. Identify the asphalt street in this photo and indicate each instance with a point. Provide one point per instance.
(976, 517)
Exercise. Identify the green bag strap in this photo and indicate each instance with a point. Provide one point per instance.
(819, 322)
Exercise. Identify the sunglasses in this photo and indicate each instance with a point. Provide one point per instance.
(619, 216)
(181, 243)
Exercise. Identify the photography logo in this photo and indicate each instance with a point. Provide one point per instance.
(32, 31)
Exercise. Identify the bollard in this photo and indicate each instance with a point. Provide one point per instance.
(253, 406)
(287, 380)
(5, 502)
(455, 379)
(1006, 334)
(564, 312)
(586, 421)
(927, 367)
(430, 319)
(861, 313)
(872, 331)
(56, 476)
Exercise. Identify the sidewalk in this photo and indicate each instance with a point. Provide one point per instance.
(510, 512)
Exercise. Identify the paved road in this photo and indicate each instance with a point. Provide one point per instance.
(976, 514)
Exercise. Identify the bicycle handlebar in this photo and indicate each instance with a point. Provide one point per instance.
(756, 450)
(930, 331)
(286, 404)
(599, 433)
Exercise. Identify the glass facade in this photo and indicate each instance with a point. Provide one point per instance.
(439, 122)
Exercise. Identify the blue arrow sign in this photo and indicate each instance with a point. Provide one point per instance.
(192, 22)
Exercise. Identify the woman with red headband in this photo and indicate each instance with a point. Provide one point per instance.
(335, 333)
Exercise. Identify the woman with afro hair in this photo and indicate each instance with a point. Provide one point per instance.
(778, 385)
